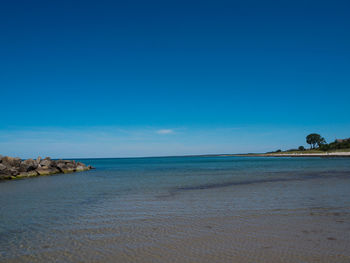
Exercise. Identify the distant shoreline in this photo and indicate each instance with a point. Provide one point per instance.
(322, 154)
(325, 154)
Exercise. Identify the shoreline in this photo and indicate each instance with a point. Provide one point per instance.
(325, 155)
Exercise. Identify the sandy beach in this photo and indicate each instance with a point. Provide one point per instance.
(317, 235)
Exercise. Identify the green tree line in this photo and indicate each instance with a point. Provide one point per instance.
(316, 141)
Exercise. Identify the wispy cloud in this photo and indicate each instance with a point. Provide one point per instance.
(165, 131)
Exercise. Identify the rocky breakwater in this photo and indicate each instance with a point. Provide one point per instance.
(12, 168)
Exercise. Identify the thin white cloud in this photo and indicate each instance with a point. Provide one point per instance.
(165, 131)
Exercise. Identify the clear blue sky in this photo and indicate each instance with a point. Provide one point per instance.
(140, 78)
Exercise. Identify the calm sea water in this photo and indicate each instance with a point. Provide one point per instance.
(74, 217)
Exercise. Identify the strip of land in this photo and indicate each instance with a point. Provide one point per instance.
(299, 154)
(319, 148)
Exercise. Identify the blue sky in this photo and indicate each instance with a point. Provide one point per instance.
(147, 78)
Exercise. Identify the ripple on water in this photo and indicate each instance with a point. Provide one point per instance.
(214, 210)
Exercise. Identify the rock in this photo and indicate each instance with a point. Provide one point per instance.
(5, 173)
(81, 168)
(12, 168)
(3, 168)
(5, 176)
(14, 171)
(28, 165)
(46, 162)
(69, 170)
(28, 174)
(47, 171)
(60, 164)
(66, 167)
(11, 161)
(64, 161)
(71, 165)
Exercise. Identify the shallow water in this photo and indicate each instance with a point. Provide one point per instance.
(181, 209)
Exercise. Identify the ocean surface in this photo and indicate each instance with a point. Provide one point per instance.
(181, 209)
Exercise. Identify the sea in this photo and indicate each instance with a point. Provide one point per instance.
(181, 209)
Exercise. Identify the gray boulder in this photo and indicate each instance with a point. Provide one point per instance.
(81, 167)
(62, 161)
(47, 170)
(14, 171)
(28, 165)
(11, 161)
(4, 170)
(27, 174)
(66, 167)
(2, 167)
(46, 162)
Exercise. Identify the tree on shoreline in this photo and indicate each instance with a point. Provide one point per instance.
(301, 148)
(315, 139)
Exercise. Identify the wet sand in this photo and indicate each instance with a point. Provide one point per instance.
(285, 236)
(306, 235)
